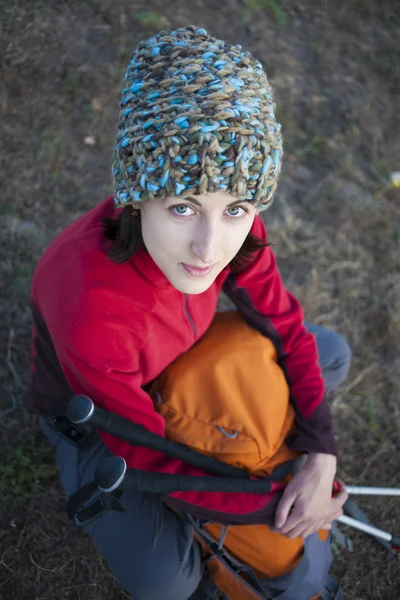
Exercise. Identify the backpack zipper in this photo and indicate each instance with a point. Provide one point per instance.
(189, 316)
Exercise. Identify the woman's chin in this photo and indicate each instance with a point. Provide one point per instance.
(192, 285)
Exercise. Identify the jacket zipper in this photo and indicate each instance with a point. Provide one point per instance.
(189, 316)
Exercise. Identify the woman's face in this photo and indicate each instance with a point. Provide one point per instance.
(192, 239)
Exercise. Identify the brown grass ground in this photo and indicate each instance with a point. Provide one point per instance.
(335, 225)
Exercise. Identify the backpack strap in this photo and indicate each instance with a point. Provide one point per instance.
(88, 504)
(282, 471)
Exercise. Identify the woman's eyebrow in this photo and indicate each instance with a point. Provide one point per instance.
(192, 199)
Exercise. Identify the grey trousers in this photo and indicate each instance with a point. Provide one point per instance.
(150, 551)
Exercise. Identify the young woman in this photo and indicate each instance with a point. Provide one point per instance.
(134, 283)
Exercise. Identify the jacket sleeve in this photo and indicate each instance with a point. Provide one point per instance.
(101, 357)
(260, 296)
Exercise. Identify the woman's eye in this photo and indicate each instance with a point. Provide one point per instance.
(181, 210)
(236, 211)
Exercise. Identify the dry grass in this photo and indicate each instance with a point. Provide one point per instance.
(335, 225)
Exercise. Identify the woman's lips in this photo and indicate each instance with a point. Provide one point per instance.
(196, 271)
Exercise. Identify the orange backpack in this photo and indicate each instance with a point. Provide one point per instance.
(228, 398)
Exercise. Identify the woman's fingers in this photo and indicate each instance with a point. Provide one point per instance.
(295, 520)
(307, 528)
(284, 506)
(297, 531)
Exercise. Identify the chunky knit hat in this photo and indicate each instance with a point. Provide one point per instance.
(197, 116)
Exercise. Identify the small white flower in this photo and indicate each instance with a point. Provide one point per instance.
(395, 178)
(89, 140)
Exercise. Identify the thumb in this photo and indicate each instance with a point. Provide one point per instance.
(284, 506)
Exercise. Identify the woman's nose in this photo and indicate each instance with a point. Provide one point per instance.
(205, 246)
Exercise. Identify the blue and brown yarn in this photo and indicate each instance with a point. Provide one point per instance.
(197, 116)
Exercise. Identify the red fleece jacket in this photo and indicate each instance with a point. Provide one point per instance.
(107, 330)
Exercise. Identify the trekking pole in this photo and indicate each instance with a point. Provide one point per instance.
(394, 540)
(356, 518)
(372, 491)
(367, 491)
(112, 474)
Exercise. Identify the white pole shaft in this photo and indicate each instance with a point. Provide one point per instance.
(384, 535)
(373, 491)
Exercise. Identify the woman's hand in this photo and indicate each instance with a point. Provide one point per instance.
(307, 504)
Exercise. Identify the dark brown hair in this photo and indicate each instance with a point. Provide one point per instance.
(125, 234)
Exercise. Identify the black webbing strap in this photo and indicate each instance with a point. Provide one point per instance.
(282, 471)
(88, 504)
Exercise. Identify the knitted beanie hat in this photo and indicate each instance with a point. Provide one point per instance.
(197, 116)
